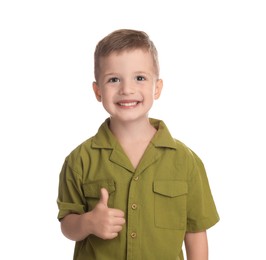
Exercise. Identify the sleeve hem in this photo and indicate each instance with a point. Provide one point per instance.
(202, 226)
(68, 208)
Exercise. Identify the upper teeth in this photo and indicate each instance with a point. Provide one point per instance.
(128, 104)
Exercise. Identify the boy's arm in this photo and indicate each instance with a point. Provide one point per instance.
(73, 226)
(102, 221)
(196, 246)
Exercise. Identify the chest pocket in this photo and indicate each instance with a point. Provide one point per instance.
(92, 192)
(170, 198)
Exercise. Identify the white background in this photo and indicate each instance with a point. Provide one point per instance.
(213, 62)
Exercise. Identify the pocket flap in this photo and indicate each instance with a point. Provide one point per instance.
(170, 188)
(92, 189)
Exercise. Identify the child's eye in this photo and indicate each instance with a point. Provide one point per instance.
(140, 78)
(113, 80)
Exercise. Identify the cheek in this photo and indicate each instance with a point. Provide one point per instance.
(107, 97)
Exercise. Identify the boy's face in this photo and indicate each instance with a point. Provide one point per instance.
(127, 84)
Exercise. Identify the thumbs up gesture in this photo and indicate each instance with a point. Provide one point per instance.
(104, 197)
(107, 222)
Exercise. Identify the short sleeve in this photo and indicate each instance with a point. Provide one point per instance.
(202, 213)
(70, 196)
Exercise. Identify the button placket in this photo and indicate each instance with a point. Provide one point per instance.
(133, 217)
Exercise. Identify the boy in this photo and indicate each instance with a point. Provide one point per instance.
(132, 191)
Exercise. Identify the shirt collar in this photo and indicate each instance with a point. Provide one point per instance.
(105, 139)
(162, 138)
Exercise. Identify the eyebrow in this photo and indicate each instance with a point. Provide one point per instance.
(110, 74)
(141, 72)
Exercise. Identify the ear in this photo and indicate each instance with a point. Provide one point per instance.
(158, 88)
(97, 91)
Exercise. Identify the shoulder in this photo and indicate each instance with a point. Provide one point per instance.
(187, 156)
(80, 155)
(81, 148)
(84, 150)
(180, 146)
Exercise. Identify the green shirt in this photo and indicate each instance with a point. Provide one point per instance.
(167, 195)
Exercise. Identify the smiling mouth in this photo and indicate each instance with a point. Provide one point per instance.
(128, 104)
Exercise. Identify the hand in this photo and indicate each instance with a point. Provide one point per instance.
(106, 222)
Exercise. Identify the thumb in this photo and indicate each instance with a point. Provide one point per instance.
(104, 197)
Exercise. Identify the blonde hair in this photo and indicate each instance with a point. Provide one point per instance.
(121, 40)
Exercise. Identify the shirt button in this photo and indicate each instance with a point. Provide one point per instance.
(136, 178)
(133, 234)
(134, 206)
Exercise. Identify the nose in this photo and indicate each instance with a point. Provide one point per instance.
(126, 88)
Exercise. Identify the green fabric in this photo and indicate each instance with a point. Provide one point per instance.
(169, 187)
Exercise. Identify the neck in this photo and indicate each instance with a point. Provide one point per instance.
(132, 131)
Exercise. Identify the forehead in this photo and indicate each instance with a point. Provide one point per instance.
(128, 59)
